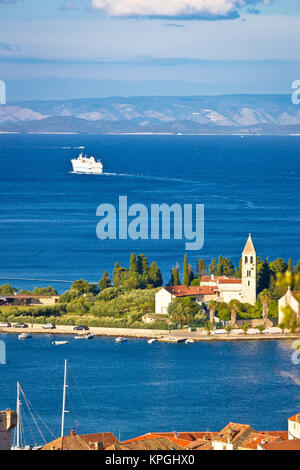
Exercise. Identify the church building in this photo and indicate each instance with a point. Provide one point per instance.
(219, 288)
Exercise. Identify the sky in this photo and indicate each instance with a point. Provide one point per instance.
(56, 49)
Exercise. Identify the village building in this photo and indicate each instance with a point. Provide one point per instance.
(290, 299)
(99, 441)
(16, 299)
(219, 288)
(294, 427)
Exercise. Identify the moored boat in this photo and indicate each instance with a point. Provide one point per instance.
(24, 336)
(120, 339)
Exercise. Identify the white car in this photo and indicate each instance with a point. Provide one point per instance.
(49, 326)
(5, 324)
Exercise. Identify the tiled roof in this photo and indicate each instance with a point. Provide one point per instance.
(200, 444)
(183, 291)
(295, 418)
(296, 295)
(73, 442)
(249, 247)
(258, 438)
(230, 281)
(291, 444)
(231, 432)
(180, 441)
(106, 438)
(159, 443)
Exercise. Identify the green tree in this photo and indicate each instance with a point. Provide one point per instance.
(263, 275)
(81, 287)
(132, 264)
(186, 278)
(155, 277)
(191, 274)
(278, 266)
(6, 289)
(289, 319)
(142, 266)
(298, 267)
(219, 267)
(201, 268)
(105, 281)
(212, 269)
(175, 281)
(118, 274)
(245, 327)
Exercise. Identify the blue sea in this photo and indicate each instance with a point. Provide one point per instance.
(48, 233)
(48, 215)
(132, 388)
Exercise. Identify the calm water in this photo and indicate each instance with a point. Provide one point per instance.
(48, 216)
(135, 387)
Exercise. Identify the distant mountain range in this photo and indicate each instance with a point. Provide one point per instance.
(229, 114)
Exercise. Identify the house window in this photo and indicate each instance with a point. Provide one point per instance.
(246, 259)
(248, 283)
(251, 259)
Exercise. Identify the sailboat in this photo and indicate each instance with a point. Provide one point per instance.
(19, 442)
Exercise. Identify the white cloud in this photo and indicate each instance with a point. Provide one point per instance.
(185, 9)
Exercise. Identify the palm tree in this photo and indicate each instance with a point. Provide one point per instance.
(234, 305)
(265, 298)
(212, 305)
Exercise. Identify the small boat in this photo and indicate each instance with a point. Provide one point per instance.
(90, 336)
(79, 336)
(120, 339)
(152, 340)
(189, 341)
(25, 336)
(58, 343)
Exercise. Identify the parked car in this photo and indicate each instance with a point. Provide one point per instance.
(5, 324)
(20, 325)
(81, 328)
(49, 326)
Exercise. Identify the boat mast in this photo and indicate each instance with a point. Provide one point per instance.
(18, 415)
(64, 401)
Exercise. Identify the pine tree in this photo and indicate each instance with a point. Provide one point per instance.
(212, 267)
(219, 267)
(201, 268)
(104, 282)
(191, 274)
(155, 277)
(186, 278)
(298, 267)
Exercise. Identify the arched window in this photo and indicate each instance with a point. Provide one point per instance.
(251, 259)
(246, 259)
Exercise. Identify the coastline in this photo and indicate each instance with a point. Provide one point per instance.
(175, 336)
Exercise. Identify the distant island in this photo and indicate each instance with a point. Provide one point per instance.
(223, 115)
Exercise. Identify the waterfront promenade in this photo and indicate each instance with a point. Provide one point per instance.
(161, 335)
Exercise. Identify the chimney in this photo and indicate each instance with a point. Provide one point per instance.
(72, 433)
(212, 277)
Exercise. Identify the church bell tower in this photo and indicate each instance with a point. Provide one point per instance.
(249, 273)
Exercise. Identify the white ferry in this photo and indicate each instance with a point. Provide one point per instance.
(87, 165)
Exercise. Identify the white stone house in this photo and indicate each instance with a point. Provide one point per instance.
(294, 427)
(291, 299)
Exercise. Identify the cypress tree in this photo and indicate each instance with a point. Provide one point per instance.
(175, 281)
(186, 277)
